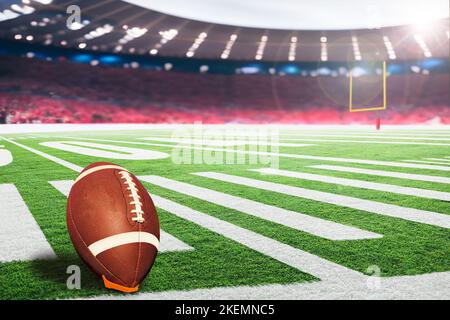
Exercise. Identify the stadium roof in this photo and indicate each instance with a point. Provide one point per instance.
(122, 27)
(304, 15)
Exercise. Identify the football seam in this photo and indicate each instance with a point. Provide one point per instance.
(138, 260)
(87, 247)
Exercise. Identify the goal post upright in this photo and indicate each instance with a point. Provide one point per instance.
(377, 109)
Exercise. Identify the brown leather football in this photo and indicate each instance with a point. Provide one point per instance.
(113, 225)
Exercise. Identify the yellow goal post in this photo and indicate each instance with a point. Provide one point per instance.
(383, 107)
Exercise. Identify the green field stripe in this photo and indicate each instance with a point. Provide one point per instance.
(295, 220)
(376, 186)
(380, 173)
(393, 253)
(217, 262)
(395, 211)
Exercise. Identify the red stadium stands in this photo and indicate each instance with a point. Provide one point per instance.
(64, 92)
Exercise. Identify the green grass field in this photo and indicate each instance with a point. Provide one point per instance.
(405, 248)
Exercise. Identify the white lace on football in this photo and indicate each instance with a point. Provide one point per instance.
(135, 197)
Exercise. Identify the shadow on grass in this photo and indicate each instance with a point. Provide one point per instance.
(56, 271)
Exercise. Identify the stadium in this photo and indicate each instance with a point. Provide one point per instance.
(293, 149)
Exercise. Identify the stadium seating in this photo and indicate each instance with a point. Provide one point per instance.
(64, 92)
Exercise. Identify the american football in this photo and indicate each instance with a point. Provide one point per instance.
(113, 225)
(166, 151)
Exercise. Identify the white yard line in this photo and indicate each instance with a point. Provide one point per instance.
(296, 220)
(5, 157)
(366, 136)
(105, 150)
(437, 159)
(168, 242)
(377, 134)
(286, 155)
(224, 143)
(423, 193)
(428, 162)
(371, 141)
(410, 214)
(432, 286)
(302, 260)
(299, 133)
(393, 174)
(64, 163)
(296, 258)
(281, 144)
(21, 238)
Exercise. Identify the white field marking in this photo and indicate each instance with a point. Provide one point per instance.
(288, 155)
(296, 258)
(242, 131)
(295, 220)
(64, 163)
(432, 286)
(427, 162)
(5, 157)
(225, 143)
(281, 144)
(215, 143)
(172, 243)
(371, 141)
(376, 134)
(393, 174)
(437, 159)
(366, 136)
(21, 239)
(289, 255)
(168, 243)
(86, 148)
(417, 192)
(254, 136)
(390, 210)
(47, 128)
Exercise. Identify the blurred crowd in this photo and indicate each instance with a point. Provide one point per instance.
(33, 91)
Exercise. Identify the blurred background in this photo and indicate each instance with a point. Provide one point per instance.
(223, 61)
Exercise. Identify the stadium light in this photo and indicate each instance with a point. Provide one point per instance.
(226, 52)
(98, 32)
(426, 51)
(323, 49)
(292, 48)
(166, 36)
(44, 2)
(389, 48)
(262, 45)
(22, 9)
(356, 51)
(197, 42)
(8, 15)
